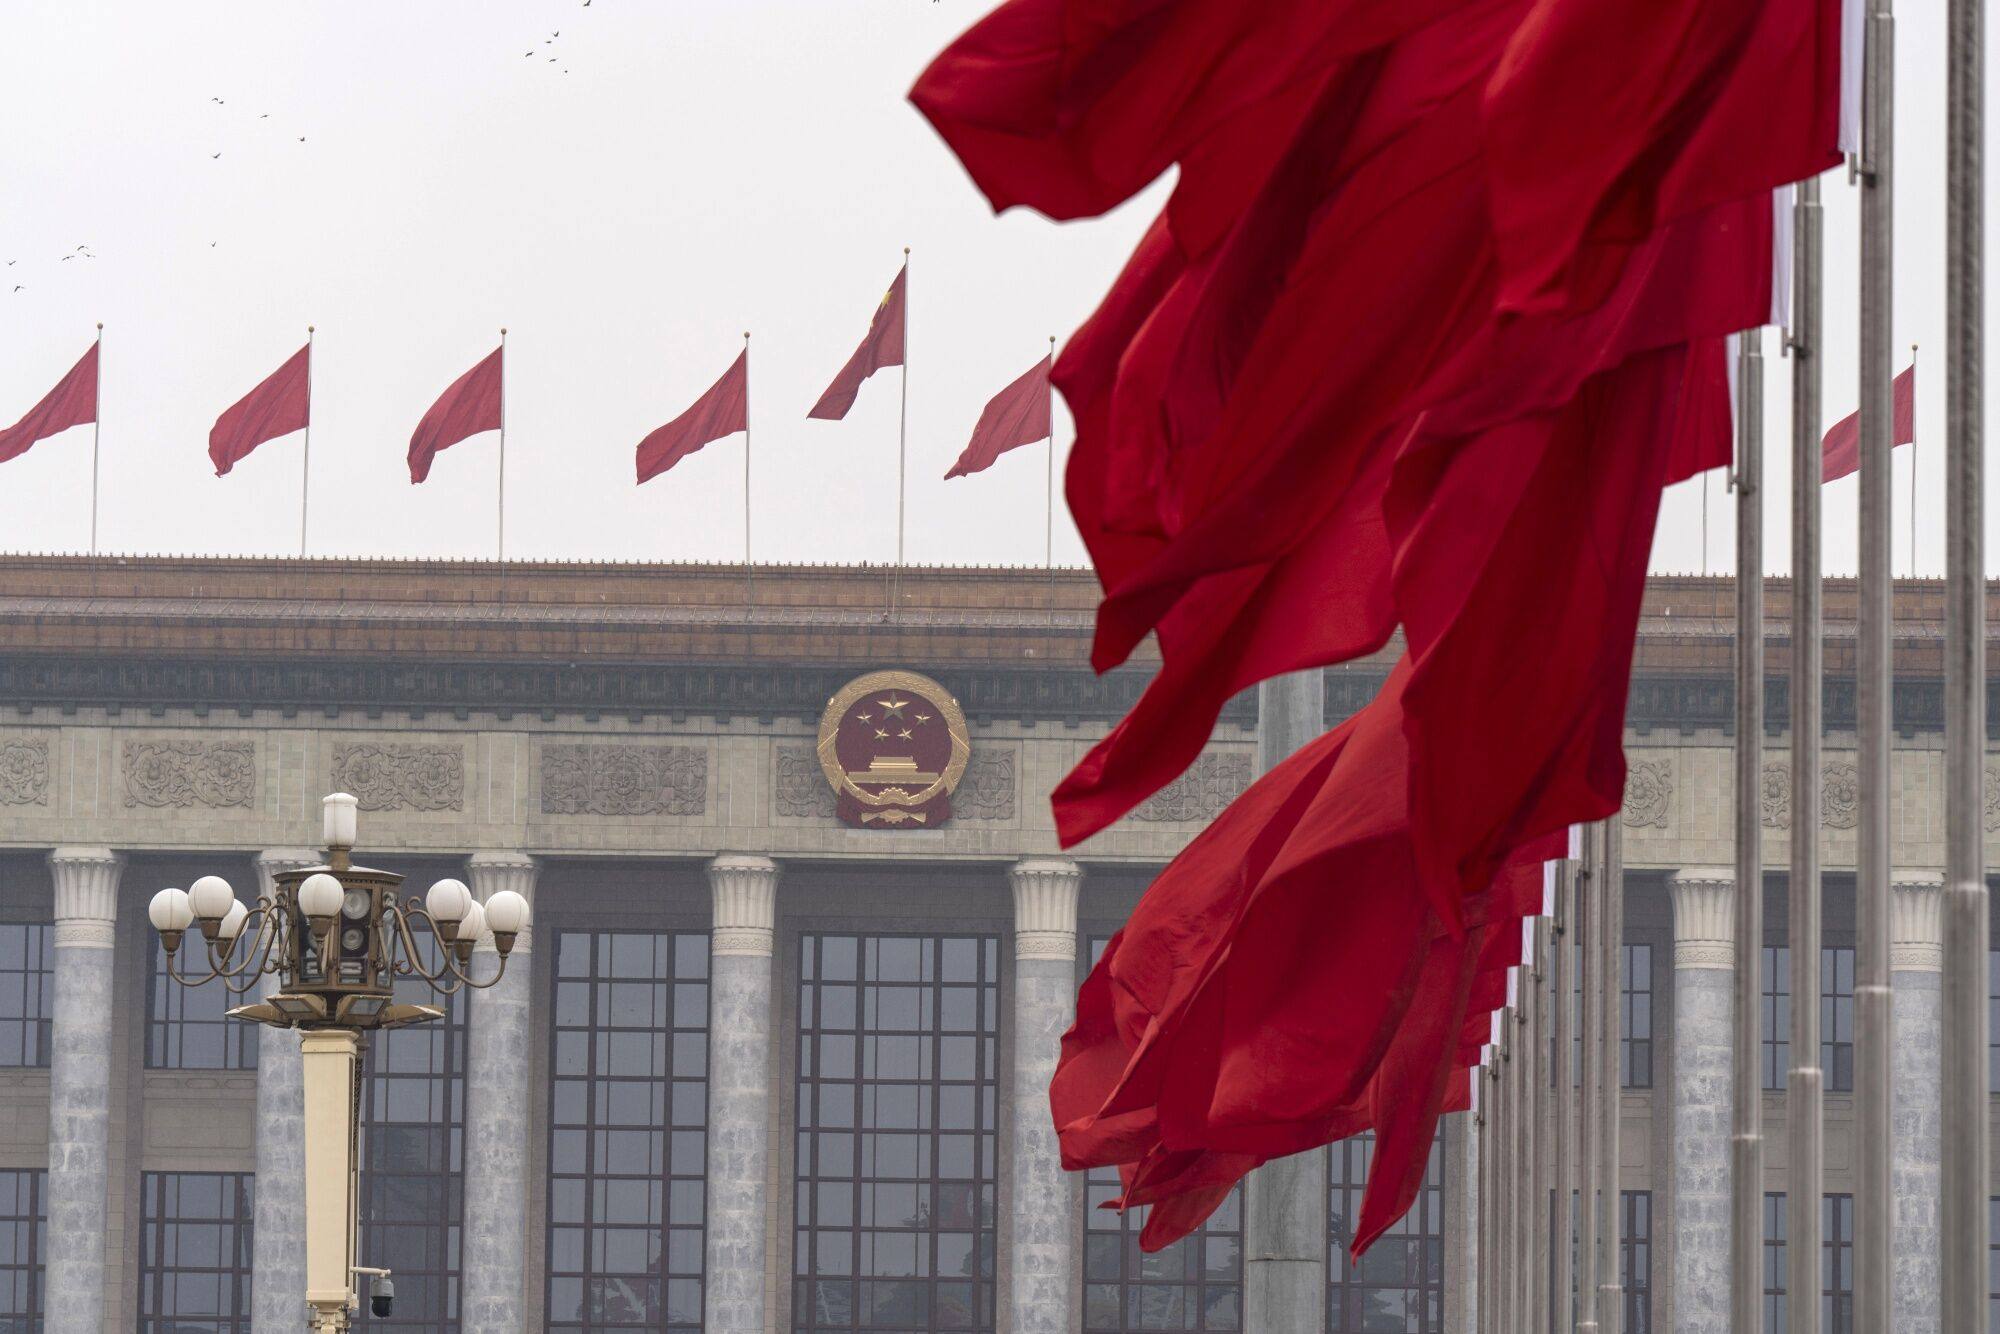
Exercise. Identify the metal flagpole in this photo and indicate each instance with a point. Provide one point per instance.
(1519, 1282)
(902, 447)
(1509, 1231)
(1489, 1192)
(1966, 1150)
(1913, 461)
(1561, 957)
(1872, 1203)
(749, 570)
(96, 427)
(1806, 1083)
(1590, 910)
(500, 497)
(1478, 1237)
(305, 455)
(1746, 1213)
(1539, 1254)
(1704, 523)
(1611, 1283)
(1049, 514)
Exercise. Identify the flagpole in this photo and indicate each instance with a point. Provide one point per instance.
(1806, 1082)
(305, 456)
(1746, 1274)
(1611, 1218)
(1913, 461)
(500, 499)
(1965, 1128)
(96, 428)
(902, 447)
(1561, 960)
(748, 568)
(1872, 997)
(1590, 1019)
(1049, 512)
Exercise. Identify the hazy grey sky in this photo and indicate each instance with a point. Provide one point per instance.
(684, 170)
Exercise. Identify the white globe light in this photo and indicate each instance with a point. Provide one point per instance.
(473, 925)
(320, 895)
(211, 897)
(232, 921)
(507, 913)
(170, 910)
(337, 820)
(449, 900)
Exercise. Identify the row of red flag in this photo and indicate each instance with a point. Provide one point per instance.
(473, 404)
(1433, 313)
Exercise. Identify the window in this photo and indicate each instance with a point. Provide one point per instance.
(1836, 1017)
(1635, 1260)
(24, 1226)
(25, 993)
(1635, 1018)
(897, 1086)
(1836, 1270)
(412, 1156)
(1399, 1283)
(628, 1110)
(187, 1028)
(194, 1252)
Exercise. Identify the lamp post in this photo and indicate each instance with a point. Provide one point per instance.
(336, 937)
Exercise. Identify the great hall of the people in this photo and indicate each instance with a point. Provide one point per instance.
(778, 1036)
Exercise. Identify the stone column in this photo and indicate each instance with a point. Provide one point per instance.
(492, 1297)
(1042, 1213)
(86, 899)
(745, 892)
(1916, 963)
(278, 1257)
(1704, 1001)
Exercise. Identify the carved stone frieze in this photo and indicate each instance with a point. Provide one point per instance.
(1840, 796)
(24, 772)
(391, 776)
(1774, 798)
(799, 787)
(987, 791)
(1210, 783)
(180, 775)
(1649, 792)
(624, 780)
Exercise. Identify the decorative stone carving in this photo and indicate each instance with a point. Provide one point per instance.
(184, 774)
(1649, 792)
(624, 780)
(1045, 907)
(1916, 922)
(1211, 782)
(1840, 796)
(800, 789)
(491, 872)
(1774, 799)
(1704, 917)
(987, 792)
(86, 895)
(24, 772)
(389, 776)
(745, 893)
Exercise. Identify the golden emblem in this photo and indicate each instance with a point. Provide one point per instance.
(893, 746)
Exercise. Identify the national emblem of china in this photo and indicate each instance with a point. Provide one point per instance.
(893, 745)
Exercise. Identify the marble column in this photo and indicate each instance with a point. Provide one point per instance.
(1916, 963)
(1704, 1001)
(278, 1257)
(745, 893)
(86, 902)
(499, 1029)
(1042, 1213)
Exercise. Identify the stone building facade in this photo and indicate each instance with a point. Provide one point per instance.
(754, 1068)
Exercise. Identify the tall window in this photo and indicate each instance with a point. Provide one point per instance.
(897, 1086)
(194, 1252)
(25, 993)
(628, 1110)
(1836, 1017)
(1635, 1018)
(412, 1156)
(24, 1227)
(187, 1028)
(1836, 1221)
(1399, 1283)
(1635, 1259)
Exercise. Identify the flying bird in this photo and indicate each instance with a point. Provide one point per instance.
(218, 101)
(265, 116)
(302, 138)
(213, 156)
(67, 258)
(19, 288)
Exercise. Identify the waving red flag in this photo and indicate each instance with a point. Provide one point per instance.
(73, 402)
(279, 406)
(1840, 449)
(881, 346)
(472, 405)
(723, 410)
(1017, 415)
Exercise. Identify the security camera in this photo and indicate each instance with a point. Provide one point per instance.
(381, 1298)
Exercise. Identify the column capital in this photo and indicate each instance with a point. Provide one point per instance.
(489, 872)
(1916, 922)
(271, 861)
(86, 897)
(1704, 917)
(1045, 890)
(744, 888)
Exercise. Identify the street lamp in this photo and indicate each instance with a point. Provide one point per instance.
(336, 937)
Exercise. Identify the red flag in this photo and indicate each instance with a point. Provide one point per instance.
(73, 402)
(723, 410)
(881, 346)
(1840, 451)
(1017, 415)
(470, 406)
(278, 406)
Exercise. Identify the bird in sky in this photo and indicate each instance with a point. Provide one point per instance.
(19, 288)
(218, 101)
(12, 262)
(213, 156)
(265, 116)
(67, 258)
(302, 138)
